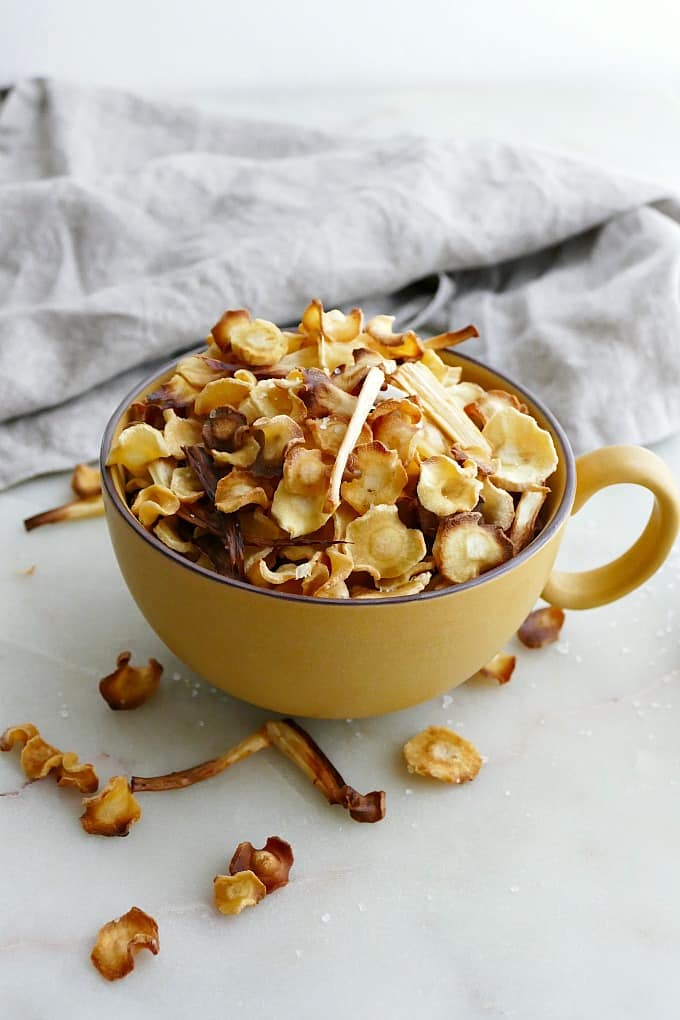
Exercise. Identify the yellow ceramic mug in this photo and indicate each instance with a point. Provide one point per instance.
(351, 658)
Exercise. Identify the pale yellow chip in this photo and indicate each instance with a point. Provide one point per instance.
(528, 509)
(381, 545)
(427, 441)
(299, 502)
(223, 393)
(525, 452)
(160, 471)
(275, 435)
(233, 893)
(246, 452)
(378, 476)
(448, 375)
(153, 502)
(166, 532)
(257, 342)
(179, 432)
(238, 489)
(441, 754)
(497, 507)
(445, 487)
(136, 446)
(185, 485)
(196, 371)
(464, 548)
(272, 397)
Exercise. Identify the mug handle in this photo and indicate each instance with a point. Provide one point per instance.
(613, 465)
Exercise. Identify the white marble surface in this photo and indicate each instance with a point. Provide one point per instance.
(545, 889)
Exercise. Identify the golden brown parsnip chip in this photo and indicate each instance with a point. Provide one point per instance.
(118, 941)
(233, 893)
(377, 474)
(441, 754)
(229, 392)
(86, 481)
(497, 506)
(238, 489)
(500, 668)
(464, 548)
(39, 759)
(221, 331)
(153, 502)
(525, 452)
(112, 812)
(380, 338)
(275, 436)
(130, 686)
(541, 627)
(299, 503)
(257, 342)
(445, 487)
(381, 545)
(271, 864)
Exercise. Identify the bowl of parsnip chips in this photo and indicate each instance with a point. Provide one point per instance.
(340, 520)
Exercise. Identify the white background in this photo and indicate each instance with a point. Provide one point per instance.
(295, 44)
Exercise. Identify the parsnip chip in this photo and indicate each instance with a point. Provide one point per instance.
(398, 591)
(160, 471)
(118, 941)
(300, 497)
(257, 342)
(222, 393)
(176, 393)
(153, 502)
(500, 668)
(221, 331)
(271, 864)
(448, 375)
(136, 446)
(322, 397)
(541, 627)
(490, 401)
(39, 759)
(341, 566)
(378, 476)
(497, 506)
(130, 686)
(274, 436)
(446, 488)
(427, 441)
(185, 485)
(441, 754)
(270, 397)
(86, 481)
(528, 509)
(233, 893)
(525, 452)
(451, 339)
(259, 529)
(464, 548)
(389, 344)
(180, 432)
(327, 433)
(112, 812)
(238, 489)
(166, 532)
(381, 545)
(197, 371)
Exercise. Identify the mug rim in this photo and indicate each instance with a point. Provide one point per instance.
(559, 517)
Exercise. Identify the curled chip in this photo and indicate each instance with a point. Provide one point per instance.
(118, 941)
(39, 759)
(525, 452)
(130, 686)
(136, 446)
(389, 344)
(180, 432)
(221, 331)
(441, 754)
(528, 509)
(541, 627)
(86, 481)
(381, 545)
(464, 548)
(378, 476)
(270, 397)
(166, 532)
(274, 436)
(112, 812)
(233, 893)
(185, 485)
(497, 506)
(153, 502)
(446, 488)
(238, 489)
(500, 668)
(196, 370)
(395, 423)
(257, 341)
(228, 392)
(271, 864)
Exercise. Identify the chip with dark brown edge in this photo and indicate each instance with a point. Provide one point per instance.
(271, 864)
(222, 429)
(541, 627)
(130, 686)
(151, 414)
(118, 941)
(112, 812)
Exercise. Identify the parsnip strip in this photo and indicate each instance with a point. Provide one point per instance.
(369, 391)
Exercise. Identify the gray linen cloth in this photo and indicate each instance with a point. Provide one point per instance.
(127, 226)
